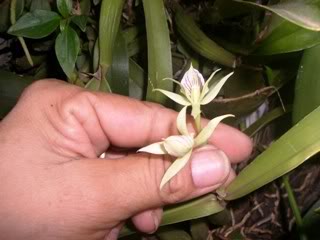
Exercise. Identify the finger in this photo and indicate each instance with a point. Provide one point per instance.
(148, 221)
(128, 186)
(124, 122)
(113, 234)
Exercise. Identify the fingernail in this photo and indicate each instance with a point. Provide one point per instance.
(156, 216)
(209, 167)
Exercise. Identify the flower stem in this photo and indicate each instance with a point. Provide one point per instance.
(13, 6)
(294, 206)
(198, 123)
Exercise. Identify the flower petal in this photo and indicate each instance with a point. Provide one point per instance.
(154, 148)
(205, 89)
(192, 79)
(206, 132)
(214, 90)
(178, 145)
(175, 167)
(182, 121)
(172, 80)
(175, 97)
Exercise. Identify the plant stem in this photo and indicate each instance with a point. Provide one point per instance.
(294, 206)
(198, 123)
(13, 6)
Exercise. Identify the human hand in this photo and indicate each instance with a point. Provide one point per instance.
(54, 185)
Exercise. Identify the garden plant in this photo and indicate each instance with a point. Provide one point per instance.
(253, 64)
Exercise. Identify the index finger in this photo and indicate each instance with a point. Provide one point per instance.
(131, 123)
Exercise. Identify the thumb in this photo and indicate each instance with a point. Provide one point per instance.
(131, 184)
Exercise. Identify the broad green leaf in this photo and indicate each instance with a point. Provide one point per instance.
(159, 50)
(80, 21)
(19, 8)
(207, 131)
(118, 74)
(215, 89)
(154, 148)
(193, 209)
(175, 97)
(36, 24)
(307, 88)
(4, 16)
(67, 47)
(287, 37)
(174, 168)
(296, 146)
(39, 5)
(304, 13)
(64, 7)
(182, 121)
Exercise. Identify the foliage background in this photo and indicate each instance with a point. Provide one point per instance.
(128, 47)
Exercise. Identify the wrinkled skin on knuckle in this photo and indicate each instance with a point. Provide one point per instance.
(179, 188)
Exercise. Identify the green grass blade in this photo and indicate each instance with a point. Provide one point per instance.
(197, 208)
(306, 96)
(303, 13)
(296, 146)
(110, 15)
(266, 119)
(199, 42)
(159, 50)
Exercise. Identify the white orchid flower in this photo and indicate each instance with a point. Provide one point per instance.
(181, 146)
(195, 91)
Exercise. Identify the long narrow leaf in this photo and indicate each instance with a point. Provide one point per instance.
(159, 50)
(296, 146)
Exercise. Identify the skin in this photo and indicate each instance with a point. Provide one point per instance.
(55, 186)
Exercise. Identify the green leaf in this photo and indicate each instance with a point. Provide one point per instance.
(118, 74)
(287, 37)
(193, 209)
(64, 7)
(109, 22)
(36, 24)
(19, 8)
(266, 119)
(80, 21)
(174, 168)
(159, 50)
(207, 131)
(171, 233)
(11, 87)
(67, 47)
(311, 221)
(137, 80)
(304, 13)
(199, 41)
(307, 88)
(39, 5)
(296, 146)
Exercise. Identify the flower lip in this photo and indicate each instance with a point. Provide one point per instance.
(192, 79)
(179, 145)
